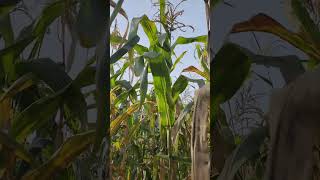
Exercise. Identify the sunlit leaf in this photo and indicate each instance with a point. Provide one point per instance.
(150, 30)
(125, 49)
(183, 40)
(196, 70)
(162, 86)
(116, 10)
(178, 87)
(115, 124)
(162, 11)
(178, 123)
(178, 60)
(144, 85)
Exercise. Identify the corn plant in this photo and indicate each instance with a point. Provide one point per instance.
(149, 116)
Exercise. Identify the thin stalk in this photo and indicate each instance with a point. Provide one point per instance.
(59, 135)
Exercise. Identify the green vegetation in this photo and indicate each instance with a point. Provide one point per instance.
(144, 128)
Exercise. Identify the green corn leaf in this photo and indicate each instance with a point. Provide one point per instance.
(144, 85)
(17, 148)
(57, 79)
(178, 60)
(200, 82)
(92, 22)
(67, 153)
(19, 85)
(6, 32)
(178, 123)
(48, 15)
(115, 124)
(86, 77)
(47, 70)
(307, 23)
(150, 30)
(125, 49)
(249, 148)
(116, 10)
(140, 49)
(148, 26)
(162, 86)
(196, 70)
(35, 116)
(230, 67)
(138, 66)
(162, 11)
(178, 87)
(183, 40)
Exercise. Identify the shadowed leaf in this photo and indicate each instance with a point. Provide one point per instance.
(264, 23)
(92, 22)
(67, 152)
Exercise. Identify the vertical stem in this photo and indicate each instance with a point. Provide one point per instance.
(103, 95)
(59, 135)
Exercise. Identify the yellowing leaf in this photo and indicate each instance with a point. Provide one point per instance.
(196, 70)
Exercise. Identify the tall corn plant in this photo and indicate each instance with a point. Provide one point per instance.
(159, 107)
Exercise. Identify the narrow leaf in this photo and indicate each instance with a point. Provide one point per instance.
(19, 85)
(178, 87)
(184, 40)
(264, 23)
(249, 148)
(115, 124)
(92, 22)
(144, 85)
(125, 49)
(196, 70)
(17, 148)
(178, 123)
(35, 116)
(178, 60)
(116, 10)
(68, 151)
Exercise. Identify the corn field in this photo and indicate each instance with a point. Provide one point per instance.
(88, 91)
